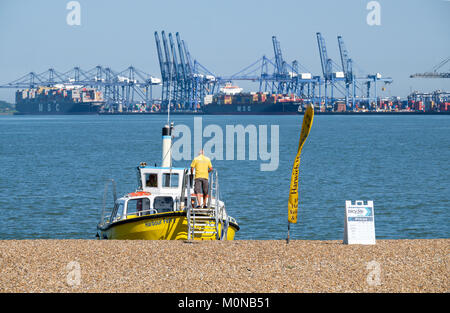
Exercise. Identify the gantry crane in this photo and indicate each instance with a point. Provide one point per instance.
(347, 68)
(434, 72)
(120, 89)
(330, 78)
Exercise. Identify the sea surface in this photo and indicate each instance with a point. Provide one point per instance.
(53, 171)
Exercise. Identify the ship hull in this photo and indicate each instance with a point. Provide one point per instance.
(252, 109)
(56, 108)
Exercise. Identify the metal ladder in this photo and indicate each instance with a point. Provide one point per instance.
(204, 221)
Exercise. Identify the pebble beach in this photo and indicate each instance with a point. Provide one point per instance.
(247, 266)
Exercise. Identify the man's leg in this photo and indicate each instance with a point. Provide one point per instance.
(199, 200)
(205, 192)
(198, 191)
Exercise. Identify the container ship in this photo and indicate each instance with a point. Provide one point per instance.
(232, 101)
(59, 100)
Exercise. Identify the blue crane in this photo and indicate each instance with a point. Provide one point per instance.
(330, 78)
(164, 72)
(168, 69)
(176, 78)
(433, 73)
(184, 80)
(347, 68)
(325, 62)
(277, 76)
(281, 71)
(183, 74)
(193, 83)
(120, 89)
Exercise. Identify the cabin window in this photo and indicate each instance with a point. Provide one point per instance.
(138, 207)
(170, 180)
(151, 180)
(163, 204)
(118, 211)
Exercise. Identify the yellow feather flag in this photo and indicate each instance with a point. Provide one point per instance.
(293, 191)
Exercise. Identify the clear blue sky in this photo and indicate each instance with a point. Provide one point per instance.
(225, 36)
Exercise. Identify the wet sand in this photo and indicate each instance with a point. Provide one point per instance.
(228, 266)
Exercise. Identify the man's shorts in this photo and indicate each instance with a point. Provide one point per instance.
(201, 186)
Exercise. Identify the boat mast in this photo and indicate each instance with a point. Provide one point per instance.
(167, 129)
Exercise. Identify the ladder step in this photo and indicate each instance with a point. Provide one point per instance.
(202, 221)
(202, 226)
(205, 232)
(206, 219)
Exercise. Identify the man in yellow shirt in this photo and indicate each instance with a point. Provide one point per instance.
(203, 166)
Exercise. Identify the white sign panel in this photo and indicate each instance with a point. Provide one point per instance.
(359, 225)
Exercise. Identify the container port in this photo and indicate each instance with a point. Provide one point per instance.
(283, 87)
(59, 100)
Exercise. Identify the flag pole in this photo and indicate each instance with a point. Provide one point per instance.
(308, 118)
(289, 228)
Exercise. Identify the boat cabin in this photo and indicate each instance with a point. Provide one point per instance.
(160, 190)
(161, 180)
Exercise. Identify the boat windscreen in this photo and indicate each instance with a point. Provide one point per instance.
(170, 180)
(163, 204)
(138, 206)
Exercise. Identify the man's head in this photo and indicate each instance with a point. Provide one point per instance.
(200, 152)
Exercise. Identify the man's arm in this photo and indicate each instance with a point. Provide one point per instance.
(192, 166)
(210, 168)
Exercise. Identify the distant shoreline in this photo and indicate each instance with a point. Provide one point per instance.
(243, 266)
(200, 113)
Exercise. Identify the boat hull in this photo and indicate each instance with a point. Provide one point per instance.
(162, 226)
(252, 109)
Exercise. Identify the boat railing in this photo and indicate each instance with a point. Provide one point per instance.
(104, 217)
(186, 190)
(214, 209)
(141, 213)
(188, 204)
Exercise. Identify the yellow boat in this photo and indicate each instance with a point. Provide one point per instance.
(164, 208)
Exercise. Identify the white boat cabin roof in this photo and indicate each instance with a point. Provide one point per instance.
(161, 180)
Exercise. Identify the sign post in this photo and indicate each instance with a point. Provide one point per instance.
(359, 225)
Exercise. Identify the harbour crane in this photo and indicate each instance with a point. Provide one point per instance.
(164, 72)
(275, 75)
(352, 81)
(168, 68)
(347, 68)
(187, 81)
(330, 78)
(434, 72)
(177, 80)
(120, 89)
(281, 71)
(184, 81)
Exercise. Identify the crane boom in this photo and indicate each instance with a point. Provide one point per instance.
(346, 61)
(324, 60)
(160, 56)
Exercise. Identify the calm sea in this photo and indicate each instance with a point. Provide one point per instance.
(54, 168)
